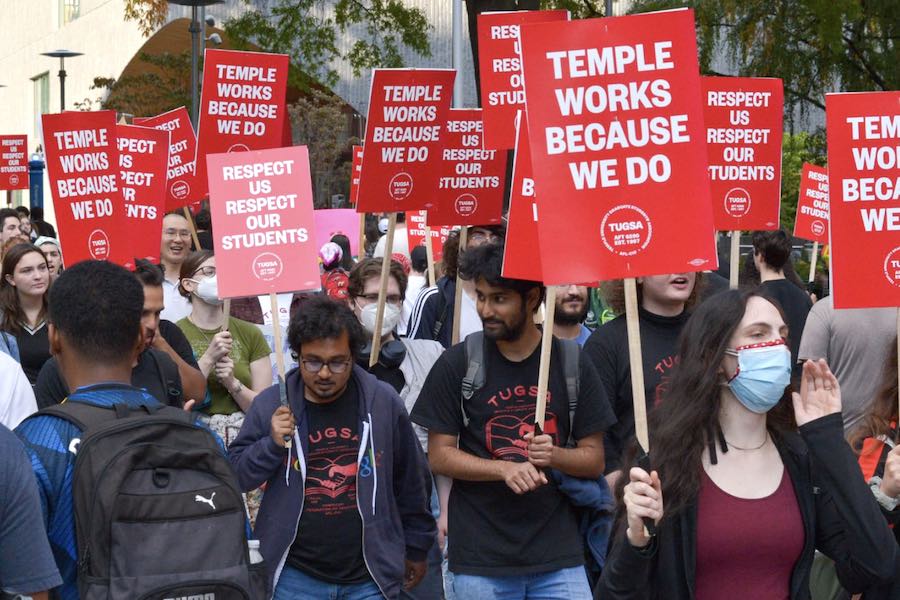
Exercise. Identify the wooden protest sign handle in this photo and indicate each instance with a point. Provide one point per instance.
(190, 220)
(457, 304)
(361, 252)
(226, 311)
(636, 362)
(812, 262)
(735, 259)
(540, 409)
(279, 357)
(429, 252)
(382, 289)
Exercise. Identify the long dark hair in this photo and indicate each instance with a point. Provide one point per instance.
(884, 407)
(343, 241)
(687, 419)
(10, 307)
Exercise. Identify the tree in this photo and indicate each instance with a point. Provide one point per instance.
(815, 47)
(309, 30)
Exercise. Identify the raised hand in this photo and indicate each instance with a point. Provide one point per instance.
(820, 394)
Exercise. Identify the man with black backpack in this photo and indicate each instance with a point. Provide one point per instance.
(512, 532)
(139, 501)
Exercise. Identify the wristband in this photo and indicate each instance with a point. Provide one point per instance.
(883, 499)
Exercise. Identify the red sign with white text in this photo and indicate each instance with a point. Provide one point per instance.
(522, 251)
(415, 234)
(615, 117)
(355, 170)
(744, 123)
(408, 111)
(470, 187)
(181, 188)
(864, 171)
(811, 222)
(143, 162)
(13, 162)
(264, 234)
(500, 70)
(242, 107)
(83, 167)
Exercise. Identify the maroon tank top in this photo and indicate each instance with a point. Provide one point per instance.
(747, 549)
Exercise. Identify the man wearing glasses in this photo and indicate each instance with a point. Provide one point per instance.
(174, 248)
(345, 513)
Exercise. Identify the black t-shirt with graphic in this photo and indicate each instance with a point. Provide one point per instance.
(328, 545)
(495, 532)
(608, 350)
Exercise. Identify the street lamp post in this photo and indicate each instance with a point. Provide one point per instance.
(195, 30)
(62, 55)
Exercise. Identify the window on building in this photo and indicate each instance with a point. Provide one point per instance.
(41, 100)
(69, 10)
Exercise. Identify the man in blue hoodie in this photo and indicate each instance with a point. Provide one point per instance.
(346, 509)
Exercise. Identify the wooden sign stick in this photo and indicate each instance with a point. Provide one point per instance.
(540, 409)
(382, 289)
(279, 357)
(361, 252)
(429, 252)
(457, 304)
(812, 261)
(735, 262)
(637, 364)
(226, 310)
(190, 220)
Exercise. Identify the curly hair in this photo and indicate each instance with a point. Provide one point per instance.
(320, 317)
(369, 268)
(486, 262)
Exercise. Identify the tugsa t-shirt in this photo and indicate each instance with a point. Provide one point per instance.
(489, 524)
(608, 350)
(328, 545)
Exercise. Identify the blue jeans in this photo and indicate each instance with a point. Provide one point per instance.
(297, 585)
(564, 584)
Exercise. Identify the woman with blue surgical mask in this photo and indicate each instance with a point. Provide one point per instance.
(748, 477)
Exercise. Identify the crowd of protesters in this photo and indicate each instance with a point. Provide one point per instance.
(419, 473)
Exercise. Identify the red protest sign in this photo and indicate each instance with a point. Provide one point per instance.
(470, 186)
(82, 164)
(143, 162)
(743, 117)
(415, 234)
(355, 170)
(261, 203)
(813, 214)
(13, 162)
(242, 106)
(182, 188)
(522, 252)
(500, 70)
(407, 112)
(616, 123)
(864, 171)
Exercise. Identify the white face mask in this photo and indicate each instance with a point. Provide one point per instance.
(208, 290)
(389, 321)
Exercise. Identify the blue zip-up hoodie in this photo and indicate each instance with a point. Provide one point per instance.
(393, 501)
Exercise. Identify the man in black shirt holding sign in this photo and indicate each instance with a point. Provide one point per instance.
(512, 533)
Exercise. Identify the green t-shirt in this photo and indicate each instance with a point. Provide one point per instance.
(248, 345)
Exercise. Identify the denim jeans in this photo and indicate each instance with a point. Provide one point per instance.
(297, 585)
(564, 584)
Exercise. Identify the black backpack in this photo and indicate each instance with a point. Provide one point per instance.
(158, 510)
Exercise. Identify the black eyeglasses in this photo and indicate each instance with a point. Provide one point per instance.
(390, 298)
(312, 365)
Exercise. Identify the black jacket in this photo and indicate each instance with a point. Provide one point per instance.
(840, 518)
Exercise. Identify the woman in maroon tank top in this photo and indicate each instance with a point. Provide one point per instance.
(749, 479)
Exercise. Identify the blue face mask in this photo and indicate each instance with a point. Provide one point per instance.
(763, 373)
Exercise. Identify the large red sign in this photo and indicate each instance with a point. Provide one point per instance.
(743, 118)
(615, 117)
(182, 187)
(811, 222)
(355, 170)
(470, 186)
(242, 106)
(143, 162)
(408, 110)
(522, 252)
(83, 164)
(500, 70)
(264, 234)
(864, 172)
(13, 162)
(415, 234)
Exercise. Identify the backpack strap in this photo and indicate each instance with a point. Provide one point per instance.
(571, 353)
(168, 386)
(474, 378)
(442, 306)
(87, 416)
